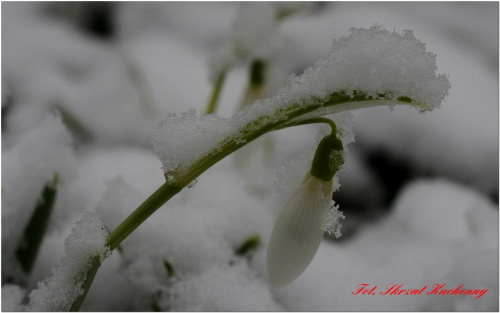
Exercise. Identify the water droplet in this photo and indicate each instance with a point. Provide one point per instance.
(192, 183)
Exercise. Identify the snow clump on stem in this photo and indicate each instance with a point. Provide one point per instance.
(86, 241)
(370, 67)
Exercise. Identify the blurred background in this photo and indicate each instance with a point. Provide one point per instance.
(113, 70)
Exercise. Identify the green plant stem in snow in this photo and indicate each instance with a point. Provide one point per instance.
(35, 230)
(319, 120)
(295, 115)
(214, 97)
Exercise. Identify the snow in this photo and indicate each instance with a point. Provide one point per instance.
(254, 34)
(255, 27)
(59, 291)
(232, 281)
(400, 64)
(12, 298)
(467, 145)
(27, 167)
(48, 61)
(374, 61)
(181, 140)
(428, 207)
(375, 256)
(118, 197)
(190, 233)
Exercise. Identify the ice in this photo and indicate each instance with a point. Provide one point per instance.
(26, 168)
(331, 224)
(60, 290)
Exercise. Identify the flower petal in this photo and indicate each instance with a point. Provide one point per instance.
(297, 233)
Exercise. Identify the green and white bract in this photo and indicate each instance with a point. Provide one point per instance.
(298, 231)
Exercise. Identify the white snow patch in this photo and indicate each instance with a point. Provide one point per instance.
(12, 298)
(58, 292)
(411, 238)
(404, 69)
(222, 288)
(254, 33)
(26, 168)
(117, 202)
(444, 211)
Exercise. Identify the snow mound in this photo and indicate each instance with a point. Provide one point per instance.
(58, 292)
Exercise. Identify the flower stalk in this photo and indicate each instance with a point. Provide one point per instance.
(294, 116)
(214, 97)
(298, 230)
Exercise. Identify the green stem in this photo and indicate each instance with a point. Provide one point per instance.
(295, 116)
(148, 207)
(35, 230)
(214, 98)
(316, 120)
(89, 278)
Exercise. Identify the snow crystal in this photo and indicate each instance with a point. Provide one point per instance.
(374, 61)
(331, 224)
(26, 168)
(181, 140)
(58, 292)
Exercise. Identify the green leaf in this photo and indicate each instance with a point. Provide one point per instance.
(35, 230)
(89, 278)
(214, 97)
(76, 127)
(248, 246)
(258, 73)
(168, 268)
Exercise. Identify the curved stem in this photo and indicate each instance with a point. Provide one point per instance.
(316, 120)
(148, 207)
(296, 115)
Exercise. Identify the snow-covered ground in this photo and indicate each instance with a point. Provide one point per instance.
(420, 198)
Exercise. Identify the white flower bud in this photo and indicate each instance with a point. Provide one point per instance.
(298, 231)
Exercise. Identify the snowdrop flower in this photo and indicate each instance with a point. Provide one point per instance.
(298, 231)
